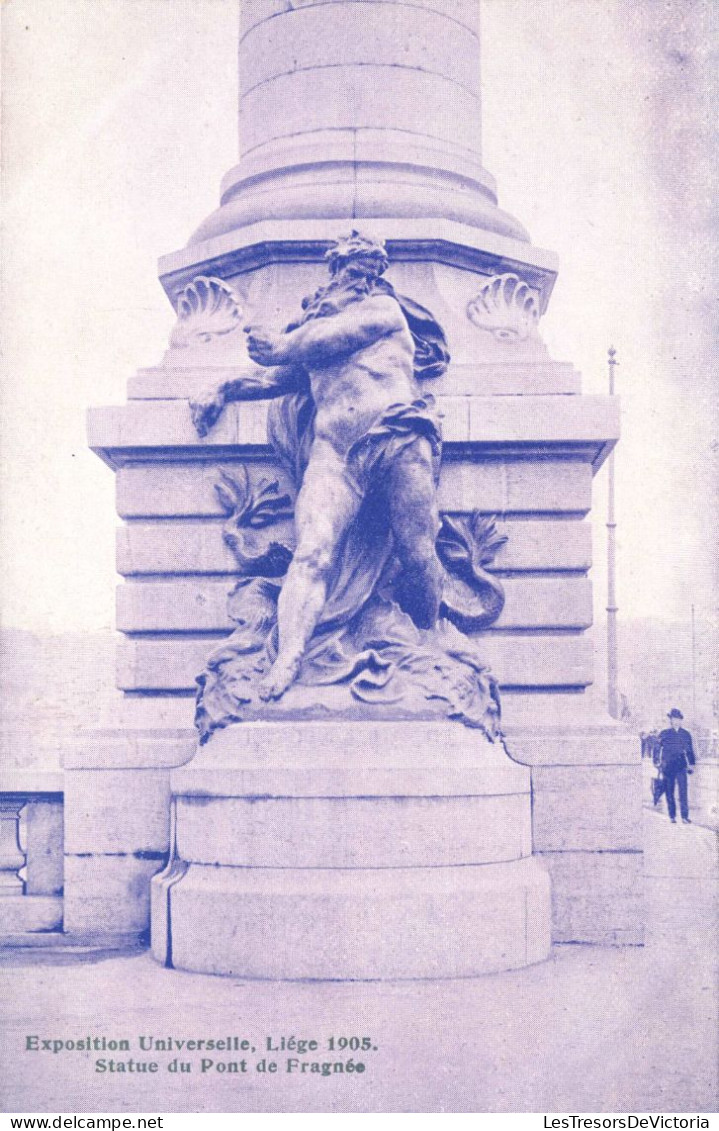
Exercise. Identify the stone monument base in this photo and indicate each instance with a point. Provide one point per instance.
(336, 850)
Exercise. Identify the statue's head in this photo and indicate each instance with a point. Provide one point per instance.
(362, 255)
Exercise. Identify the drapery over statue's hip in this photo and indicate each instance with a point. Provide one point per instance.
(401, 426)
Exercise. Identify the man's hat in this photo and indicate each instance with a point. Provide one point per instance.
(675, 713)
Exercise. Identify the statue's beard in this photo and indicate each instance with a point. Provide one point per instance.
(339, 293)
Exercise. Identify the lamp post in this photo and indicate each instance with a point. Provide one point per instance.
(694, 668)
(612, 658)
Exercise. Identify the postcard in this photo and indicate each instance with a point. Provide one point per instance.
(359, 543)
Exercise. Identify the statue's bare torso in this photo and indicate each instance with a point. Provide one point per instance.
(352, 391)
(359, 361)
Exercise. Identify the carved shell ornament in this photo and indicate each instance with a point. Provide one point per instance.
(206, 308)
(507, 307)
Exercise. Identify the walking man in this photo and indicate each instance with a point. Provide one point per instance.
(676, 760)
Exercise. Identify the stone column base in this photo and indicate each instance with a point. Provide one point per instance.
(352, 924)
(351, 851)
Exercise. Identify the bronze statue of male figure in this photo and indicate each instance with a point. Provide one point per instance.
(354, 348)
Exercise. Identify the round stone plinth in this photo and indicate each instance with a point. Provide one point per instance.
(353, 924)
(351, 850)
(353, 832)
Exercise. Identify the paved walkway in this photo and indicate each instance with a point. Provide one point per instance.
(591, 1030)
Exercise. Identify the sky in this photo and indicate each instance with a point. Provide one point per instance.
(118, 121)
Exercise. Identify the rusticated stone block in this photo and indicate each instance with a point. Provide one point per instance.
(108, 894)
(117, 811)
(509, 485)
(586, 808)
(200, 605)
(494, 485)
(178, 546)
(568, 745)
(521, 661)
(178, 489)
(597, 897)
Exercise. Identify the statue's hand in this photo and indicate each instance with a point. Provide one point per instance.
(266, 347)
(206, 410)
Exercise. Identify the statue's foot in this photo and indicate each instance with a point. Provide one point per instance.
(278, 679)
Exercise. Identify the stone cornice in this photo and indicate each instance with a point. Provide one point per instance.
(303, 241)
(585, 427)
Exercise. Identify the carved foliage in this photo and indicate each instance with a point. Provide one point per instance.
(473, 598)
(251, 509)
(507, 307)
(466, 545)
(377, 658)
(206, 308)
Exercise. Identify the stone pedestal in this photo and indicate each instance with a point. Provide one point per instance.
(351, 851)
(521, 443)
(360, 115)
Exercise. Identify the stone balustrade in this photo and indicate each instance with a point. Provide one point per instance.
(31, 854)
(12, 857)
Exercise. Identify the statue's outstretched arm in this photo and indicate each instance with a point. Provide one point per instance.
(320, 340)
(252, 385)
